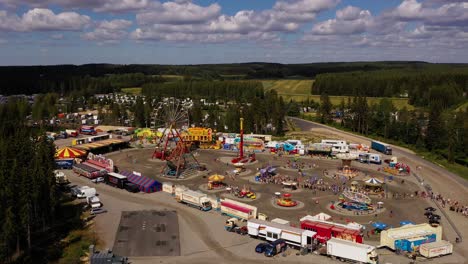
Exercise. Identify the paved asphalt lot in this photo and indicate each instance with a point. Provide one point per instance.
(148, 233)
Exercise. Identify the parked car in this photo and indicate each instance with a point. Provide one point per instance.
(260, 248)
(95, 211)
(98, 180)
(275, 247)
(242, 230)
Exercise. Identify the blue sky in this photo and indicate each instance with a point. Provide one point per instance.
(36, 32)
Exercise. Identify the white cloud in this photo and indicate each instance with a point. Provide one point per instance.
(40, 19)
(109, 30)
(95, 5)
(178, 13)
(183, 20)
(350, 20)
(122, 5)
(449, 13)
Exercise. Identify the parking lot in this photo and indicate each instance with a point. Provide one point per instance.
(148, 233)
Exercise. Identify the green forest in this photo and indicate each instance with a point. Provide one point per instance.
(31, 215)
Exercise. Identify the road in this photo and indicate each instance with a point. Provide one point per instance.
(441, 180)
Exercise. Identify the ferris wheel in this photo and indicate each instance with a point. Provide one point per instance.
(171, 116)
(171, 113)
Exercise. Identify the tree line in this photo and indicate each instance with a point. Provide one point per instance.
(421, 86)
(101, 78)
(28, 194)
(440, 130)
(240, 91)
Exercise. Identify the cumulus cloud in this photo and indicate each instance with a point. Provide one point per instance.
(350, 20)
(40, 19)
(109, 30)
(447, 13)
(182, 20)
(181, 12)
(95, 5)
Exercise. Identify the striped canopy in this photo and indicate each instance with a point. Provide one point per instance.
(374, 181)
(66, 153)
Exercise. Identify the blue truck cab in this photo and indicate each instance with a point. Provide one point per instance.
(275, 247)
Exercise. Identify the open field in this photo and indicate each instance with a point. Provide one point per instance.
(132, 90)
(299, 90)
(172, 78)
(299, 87)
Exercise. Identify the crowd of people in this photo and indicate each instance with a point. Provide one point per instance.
(453, 205)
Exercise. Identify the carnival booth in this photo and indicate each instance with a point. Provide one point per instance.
(145, 184)
(326, 229)
(409, 237)
(291, 185)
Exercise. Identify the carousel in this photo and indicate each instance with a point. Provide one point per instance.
(346, 171)
(374, 186)
(286, 201)
(355, 201)
(216, 181)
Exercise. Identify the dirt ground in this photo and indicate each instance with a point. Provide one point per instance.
(199, 230)
(203, 239)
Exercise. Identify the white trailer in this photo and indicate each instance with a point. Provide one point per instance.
(238, 210)
(272, 231)
(349, 250)
(168, 187)
(436, 249)
(87, 192)
(194, 199)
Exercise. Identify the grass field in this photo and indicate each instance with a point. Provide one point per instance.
(299, 90)
(132, 90)
(173, 78)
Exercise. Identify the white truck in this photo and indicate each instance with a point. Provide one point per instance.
(94, 202)
(238, 210)
(86, 192)
(272, 231)
(349, 250)
(194, 199)
(436, 249)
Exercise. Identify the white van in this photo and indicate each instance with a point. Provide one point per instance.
(87, 192)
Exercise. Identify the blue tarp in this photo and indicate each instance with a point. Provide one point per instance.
(406, 222)
(379, 225)
(146, 184)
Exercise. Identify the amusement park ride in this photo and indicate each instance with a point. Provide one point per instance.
(172, 114)
(241, 158)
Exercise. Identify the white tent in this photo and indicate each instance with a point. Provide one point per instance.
(374, 181)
